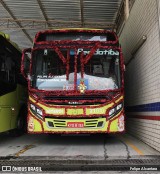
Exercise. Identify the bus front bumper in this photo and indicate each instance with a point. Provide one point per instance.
(76, 125)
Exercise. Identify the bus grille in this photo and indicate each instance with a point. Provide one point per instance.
(88, 123)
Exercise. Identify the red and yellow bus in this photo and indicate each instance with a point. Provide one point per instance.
(75, 82)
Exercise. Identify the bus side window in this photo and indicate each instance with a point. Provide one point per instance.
(3, 74)
(8, 72)
(10, 68)
(7, 75)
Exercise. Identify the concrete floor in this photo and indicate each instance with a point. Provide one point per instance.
(76, 147)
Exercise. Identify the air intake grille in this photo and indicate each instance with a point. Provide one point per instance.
(87, 122)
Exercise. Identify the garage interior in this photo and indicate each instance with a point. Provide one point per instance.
(137, 23)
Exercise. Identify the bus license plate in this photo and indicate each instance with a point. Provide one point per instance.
(75, 124)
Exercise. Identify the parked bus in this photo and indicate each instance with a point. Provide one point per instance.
(13, 88)
(75, 82)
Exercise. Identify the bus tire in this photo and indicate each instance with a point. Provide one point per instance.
(21, 127)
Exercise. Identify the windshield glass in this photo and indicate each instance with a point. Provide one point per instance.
(101, 72)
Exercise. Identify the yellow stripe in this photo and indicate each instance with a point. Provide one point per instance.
(132, 146)
(24, 150)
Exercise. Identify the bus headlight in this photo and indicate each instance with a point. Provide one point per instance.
(32, 107)
(119, 107)
(112, 111)
(36, 111)
(39, 111)
(115, 110)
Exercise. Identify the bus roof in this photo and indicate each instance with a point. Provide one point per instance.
(7, 37)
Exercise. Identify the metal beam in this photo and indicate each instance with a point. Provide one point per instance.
(120, 18)
(17, 22)
(8, 23)
(126, 9)
(82, 12)
(43, 12)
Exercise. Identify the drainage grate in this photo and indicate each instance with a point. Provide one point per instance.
(51, 164)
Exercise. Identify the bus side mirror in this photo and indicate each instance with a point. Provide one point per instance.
(25, 62)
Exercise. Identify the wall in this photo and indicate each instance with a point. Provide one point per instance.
(142, 78)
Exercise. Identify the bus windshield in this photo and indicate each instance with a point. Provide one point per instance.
(100, 72)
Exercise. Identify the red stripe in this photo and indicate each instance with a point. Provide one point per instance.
(157, 118)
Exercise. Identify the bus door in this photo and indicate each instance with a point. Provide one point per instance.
(7, 92)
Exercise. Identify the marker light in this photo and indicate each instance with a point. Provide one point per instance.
(13, 109)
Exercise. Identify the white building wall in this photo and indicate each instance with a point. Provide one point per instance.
(142, 76)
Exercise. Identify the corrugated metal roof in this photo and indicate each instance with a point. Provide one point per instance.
(22, 19)
(3, 12)
(27, 9)
(62, 9)
(104, 11)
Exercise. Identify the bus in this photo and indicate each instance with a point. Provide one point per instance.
(13, 88)
(75, 82)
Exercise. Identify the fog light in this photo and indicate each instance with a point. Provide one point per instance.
(50, 124)
(100, 123)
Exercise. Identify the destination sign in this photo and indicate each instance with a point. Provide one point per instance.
(99, 52)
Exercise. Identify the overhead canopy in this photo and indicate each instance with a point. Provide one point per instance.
(23, 19)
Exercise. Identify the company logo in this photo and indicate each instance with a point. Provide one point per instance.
(6, 169)
(18, 169)
(99, 52)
